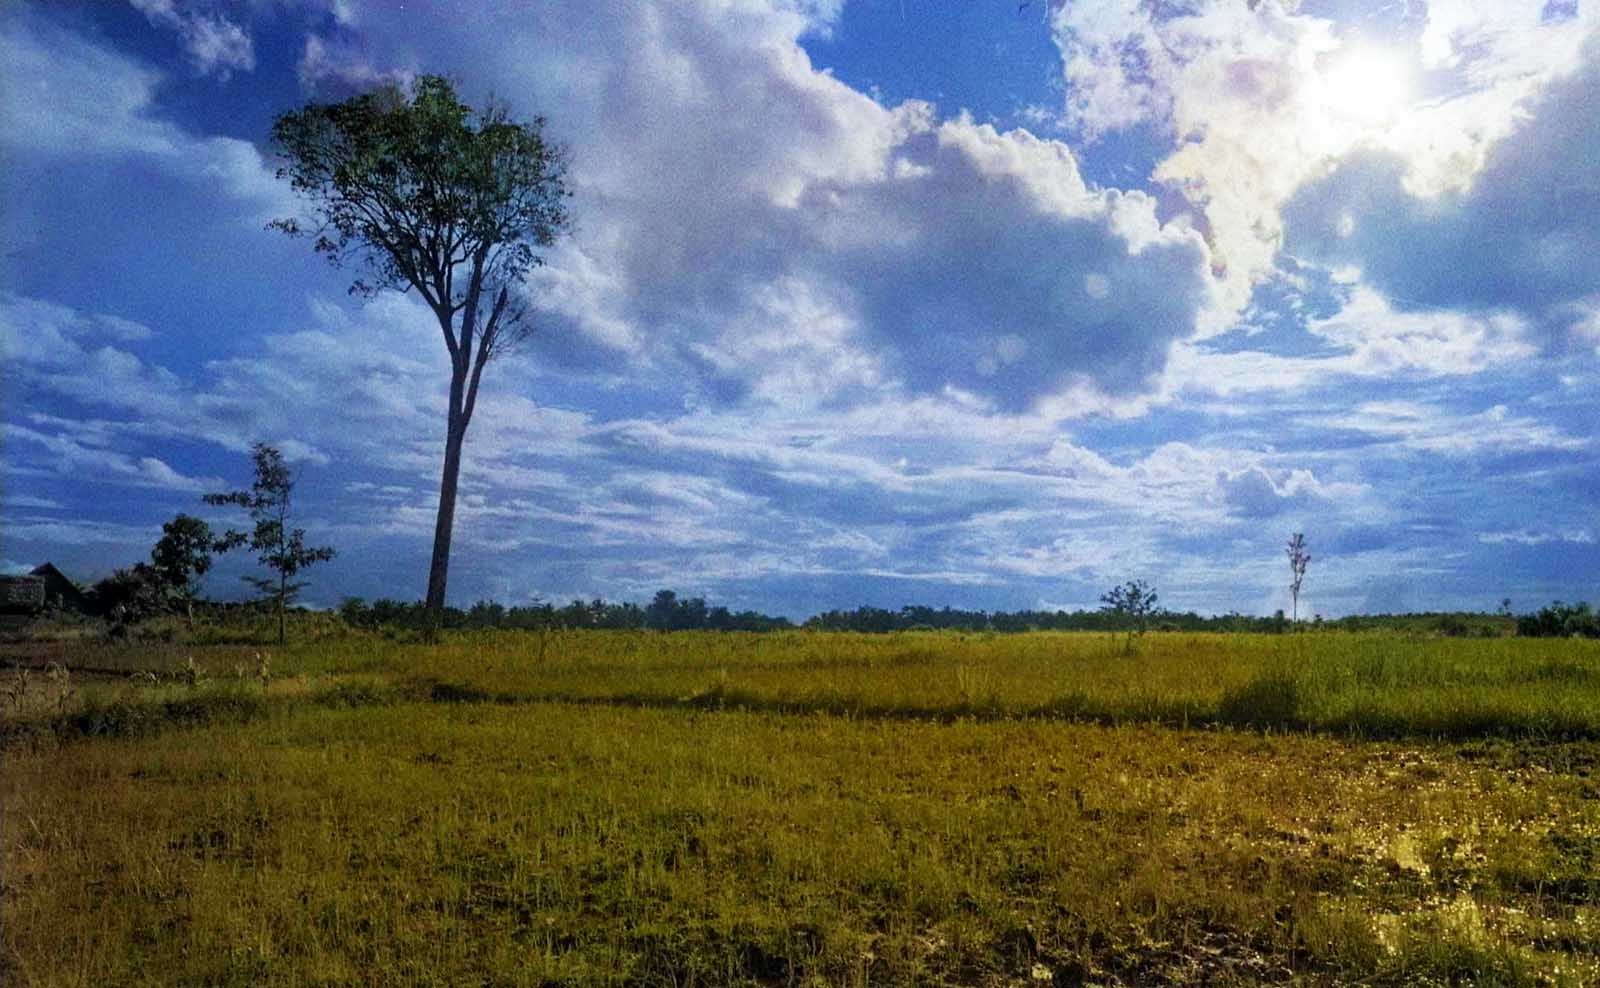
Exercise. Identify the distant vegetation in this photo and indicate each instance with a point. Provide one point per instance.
(129, 599)
(667, 612)
(1561, 621)
(873, 619)
(670, 612)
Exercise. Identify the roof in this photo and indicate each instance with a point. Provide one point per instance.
(57, 585)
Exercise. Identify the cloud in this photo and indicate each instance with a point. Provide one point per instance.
(57, 534)
(215, 44)
(1233, 86)
(68, 98)
(1527, 537)
(1383, 341)
(325, 61)
(1521, 239)
(1183, 484)
(1423, 427)
(1004, 276)
(40, 333)
(1253, 493)
(1259, 99)
(85, 463)
(753, 225)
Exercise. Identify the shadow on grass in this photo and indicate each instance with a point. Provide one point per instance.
(1272, 702)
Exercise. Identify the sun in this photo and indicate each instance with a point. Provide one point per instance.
(1365, 87)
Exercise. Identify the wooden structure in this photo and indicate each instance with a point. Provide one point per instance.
(44, 588)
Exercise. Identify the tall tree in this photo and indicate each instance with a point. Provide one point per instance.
(435, 197)
(1299, 559)
(181, 558)
(278, 547)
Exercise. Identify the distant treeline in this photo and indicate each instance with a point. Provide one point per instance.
(873, 619)
(1560, 621)
(669, 612)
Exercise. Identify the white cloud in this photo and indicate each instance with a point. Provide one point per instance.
(1261, 98)
(84, 463)
(1373, 341)
(79, 533)
(1178, 481)
(1520, 238)
(1383, 341)
(1529, 537)
(67, 97)
(754, 221)
(13, 501)
(214, 43)
(1425, 427)
(1254, 493)
(36, 332)
(324, 60)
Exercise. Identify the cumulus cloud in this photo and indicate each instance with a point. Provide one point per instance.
(1192, 485)
(1233, 86)
(787, 239)
(1259, 99)
(1006, 277)
(1254, 493)
(1521, 239)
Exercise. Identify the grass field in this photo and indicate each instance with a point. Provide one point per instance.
(804, 809)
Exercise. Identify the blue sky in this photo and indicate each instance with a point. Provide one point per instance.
(878, 302)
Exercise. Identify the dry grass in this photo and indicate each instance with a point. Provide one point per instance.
(883, 810)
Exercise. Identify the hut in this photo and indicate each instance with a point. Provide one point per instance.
(41, 589)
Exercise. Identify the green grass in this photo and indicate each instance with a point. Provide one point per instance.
(1361, 685)
(703, 809)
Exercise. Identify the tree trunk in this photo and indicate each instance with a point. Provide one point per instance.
(439, 571)
(283, 591)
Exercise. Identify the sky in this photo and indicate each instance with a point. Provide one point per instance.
(982, 304)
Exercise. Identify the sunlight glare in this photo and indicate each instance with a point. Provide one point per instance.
(1368, 87)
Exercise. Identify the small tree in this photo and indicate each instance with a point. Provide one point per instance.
(277, 546)
(1299, 559)
(1134, 601)
(181, 558)
(663, 610)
